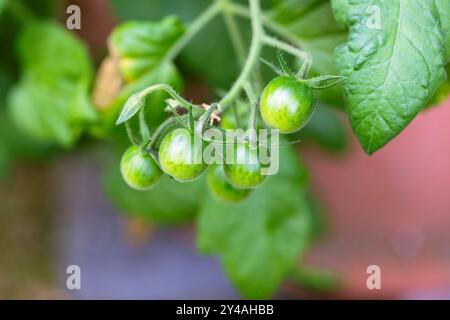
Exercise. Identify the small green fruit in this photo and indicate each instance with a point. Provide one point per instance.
(286, 104)
(245, 172)
(180, 157)
(139, 170)
(222, 189)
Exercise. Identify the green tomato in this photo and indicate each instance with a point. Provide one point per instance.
(180, 157)
(245, 172)
(222, 189)
(139, 170)
(286, 104)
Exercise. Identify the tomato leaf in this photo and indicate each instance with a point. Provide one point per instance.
(260, 239)
(51, 101)
(131, 107)
(392, 70)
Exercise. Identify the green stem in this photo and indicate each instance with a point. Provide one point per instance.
(203, 120)
(167, 123)
(251, 125)
(192, 30)
(143, 128)
(236, 116)
(233, 31)
(273, 42)
(165, 87)
(255, 50)
(196, 26)
(238, 44)
(131, 135)
(273, 26)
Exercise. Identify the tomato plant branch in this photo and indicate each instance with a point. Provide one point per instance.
(131, 135)
(204, 118)
(255, 50)
(273, 42)
(233, 31)
(239, 48)
(195, 27)
(143, 128)
(242, 11)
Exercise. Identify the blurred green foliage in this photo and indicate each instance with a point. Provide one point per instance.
(48, 80)
(259, 239)
(51, 101)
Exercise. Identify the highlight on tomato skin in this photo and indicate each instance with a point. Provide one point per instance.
(222, 189)
(139, 170)
(178, 155)
(286, 104)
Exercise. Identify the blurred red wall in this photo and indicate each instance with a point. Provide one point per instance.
(391, 210)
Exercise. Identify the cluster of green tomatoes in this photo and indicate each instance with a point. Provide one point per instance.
(286, 104)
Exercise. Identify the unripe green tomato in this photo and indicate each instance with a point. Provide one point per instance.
(222, 189)
(180, 157)
(286, 104)
(245, 172)
(139, 170)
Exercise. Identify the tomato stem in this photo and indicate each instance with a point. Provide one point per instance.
(143, 128)
(302, 55)
(252, 58)
(135, 141)
(165, 87)
(203, 120)
(195, 27)
(233, 31)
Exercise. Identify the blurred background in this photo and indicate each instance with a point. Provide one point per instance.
(62, 206)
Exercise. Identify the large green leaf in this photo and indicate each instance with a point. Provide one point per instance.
(391, 71)
(51, 101)
(168, 202)
(310, 24)
(260, 239)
